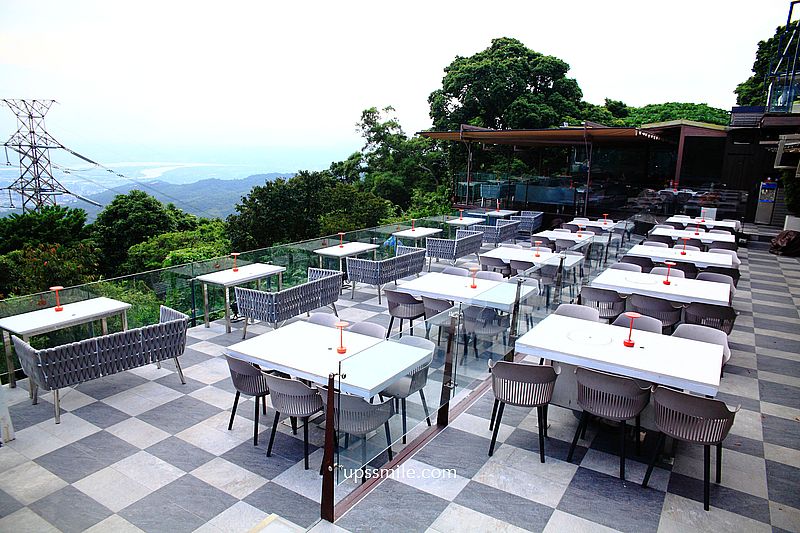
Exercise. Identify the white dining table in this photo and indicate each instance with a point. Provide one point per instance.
(343, 250)
(41, 321)
(701, 259)
(416, 233)
(546, 257)
(553, 235)
(309, 351)
(705, 222)
(663, 359)
(682, 290)
(605, 225)
(703, 236)
(499, 295)
(228, 278)
(495, 213)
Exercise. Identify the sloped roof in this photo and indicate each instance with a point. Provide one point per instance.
(541, 137)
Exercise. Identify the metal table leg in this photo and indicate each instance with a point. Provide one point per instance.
(12, 379)
(125, 320)
(104, 325)
(227, 310)
(205, 305)
(280, 280)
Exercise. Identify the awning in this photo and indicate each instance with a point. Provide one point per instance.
(543, 137)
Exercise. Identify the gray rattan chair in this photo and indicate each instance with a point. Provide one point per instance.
(689, 248)
(250, 381)
(323, 319)
(645, 262)
(611, 397)
(692, 419)
(432, 307)
(735, 261)
(697, 243)
(578, 311)
(732, 272)
(673, 272)
(455, 271)
(668, 313)
(608, 303)
(689, 269)
(720, 317)
(356, 416)
(485, 274)
(412, 382)
(522, 385)
(719, 278)
(663, 239)
(643, 323)
(294, 399)
(484, 322)
(630, 267)
(705, 334)
(655, 244)
(544, 242)
(369, 328)
(494, 264)
(564, 244)
(571, 227)
(717, 245)
(518, 267)
(403, 306)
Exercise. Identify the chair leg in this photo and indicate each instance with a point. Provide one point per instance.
(244, 329)
(255, 423)
(706, 474)
(659, 444)
(263, 405)
(496, 428)
(403, 408)
(540, 419)
(335, 311)
(272, 435)
(233, 411)
(719, 462)
(636, 436)
(388, 439)
(353, 292)
(425, 406)
(346, 440)
(379, 294)
(622, 430)
(305, 440)
(494, 414)
(581, 426)
(544, 410)
(293, 420)
(180, 371)
(57, 405)
(389, 329)
(400, 327)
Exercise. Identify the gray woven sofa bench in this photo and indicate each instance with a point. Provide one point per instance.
(321, 289)
(466, 242)
(505, 230)
(409, 260)
(67, 365)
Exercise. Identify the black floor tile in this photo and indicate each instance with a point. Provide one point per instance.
(180, 453)
(457, 449)
(195, 496)
(782, 483)
(504, 506)
(70, 510)
(273, 498)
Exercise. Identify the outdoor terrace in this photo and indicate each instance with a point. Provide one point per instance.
(140, 451)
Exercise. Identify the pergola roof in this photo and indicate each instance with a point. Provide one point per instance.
(542, 137)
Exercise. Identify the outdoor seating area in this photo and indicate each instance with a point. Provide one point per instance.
(533, 381)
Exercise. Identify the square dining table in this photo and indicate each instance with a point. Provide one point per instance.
(343, 250)
(308, 351)
(416, 233)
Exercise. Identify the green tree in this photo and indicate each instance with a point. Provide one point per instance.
(208, 240)
(349, 209)
(753, 91)
(280, 211)
(36, 268)
(675, 111)
(50, 225)
(128, 220)
(506, 86)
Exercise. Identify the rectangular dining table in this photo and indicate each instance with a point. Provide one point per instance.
(546, 257)
(703, 236)
(343, 250)
(553, 235)
(308, 351)
(684, 364)
(42, 321)
(706, 222)
(228, 278)
(499, 295)
(681, 290)
(701, 259)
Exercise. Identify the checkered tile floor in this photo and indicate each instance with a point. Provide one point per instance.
(140, 451)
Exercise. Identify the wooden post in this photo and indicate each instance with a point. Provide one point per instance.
(679, 162)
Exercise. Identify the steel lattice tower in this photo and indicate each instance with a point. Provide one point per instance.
(36, 184)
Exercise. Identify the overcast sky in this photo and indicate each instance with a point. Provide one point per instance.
(283, 83)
